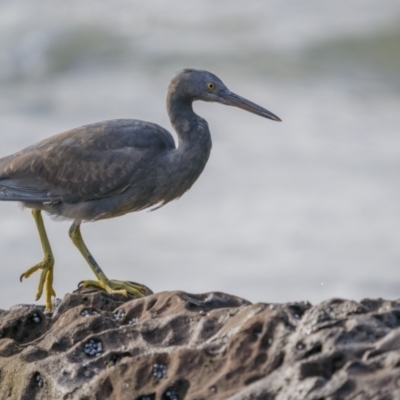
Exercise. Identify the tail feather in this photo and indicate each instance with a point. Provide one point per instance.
(11, 191)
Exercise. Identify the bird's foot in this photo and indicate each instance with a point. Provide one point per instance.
(45, 280)
(113, 286)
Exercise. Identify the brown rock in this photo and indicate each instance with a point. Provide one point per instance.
(175, 346)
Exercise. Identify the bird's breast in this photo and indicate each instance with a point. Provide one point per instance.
(182, 167)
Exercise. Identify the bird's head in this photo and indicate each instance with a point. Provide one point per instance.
(193, 84)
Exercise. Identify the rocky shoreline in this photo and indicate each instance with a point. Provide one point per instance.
(175, 346)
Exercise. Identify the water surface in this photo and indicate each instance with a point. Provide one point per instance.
(302, 210)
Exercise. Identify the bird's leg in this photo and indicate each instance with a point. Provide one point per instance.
(110, 286)
(46, 265)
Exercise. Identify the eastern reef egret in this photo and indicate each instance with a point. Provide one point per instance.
(111, 168)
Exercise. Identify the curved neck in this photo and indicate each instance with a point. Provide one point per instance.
(188, 161)
(182, 116)
(190, 128)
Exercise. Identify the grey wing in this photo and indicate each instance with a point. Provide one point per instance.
(91, 162)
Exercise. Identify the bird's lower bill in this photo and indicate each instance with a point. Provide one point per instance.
(232, 99)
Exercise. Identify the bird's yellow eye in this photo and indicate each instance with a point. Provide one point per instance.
(210, 85)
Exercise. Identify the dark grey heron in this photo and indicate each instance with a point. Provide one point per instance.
(111, 168)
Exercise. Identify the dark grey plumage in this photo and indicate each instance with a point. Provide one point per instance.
(110, 168)
(96, 171)
(114, 167)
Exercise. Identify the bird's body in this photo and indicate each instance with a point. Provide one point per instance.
(103, 170)
(111, 168)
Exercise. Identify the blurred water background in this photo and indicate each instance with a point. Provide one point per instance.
(307, 209)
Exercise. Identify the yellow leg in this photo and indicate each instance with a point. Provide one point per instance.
(46, 265)
(110, 286)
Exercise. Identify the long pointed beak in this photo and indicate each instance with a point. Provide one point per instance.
(232, 99)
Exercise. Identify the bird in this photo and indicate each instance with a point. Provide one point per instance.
(111, 168)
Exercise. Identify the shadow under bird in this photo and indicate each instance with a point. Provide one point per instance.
(111, 168)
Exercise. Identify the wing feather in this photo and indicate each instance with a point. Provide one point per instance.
(94, 161)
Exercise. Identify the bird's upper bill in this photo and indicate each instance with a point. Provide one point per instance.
(232, 99)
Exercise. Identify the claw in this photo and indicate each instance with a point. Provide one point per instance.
(45, 280)
(113, 286)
